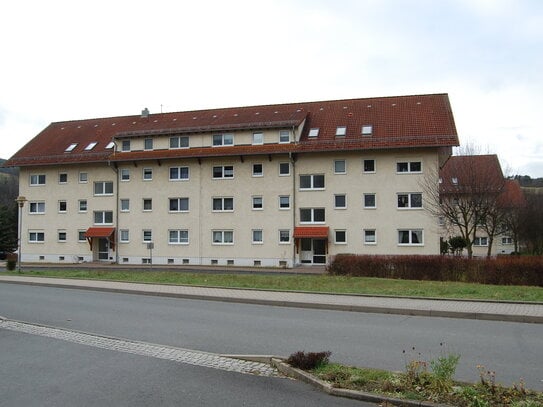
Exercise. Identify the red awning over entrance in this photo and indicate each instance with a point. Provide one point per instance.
(99, 232)
(317, 232)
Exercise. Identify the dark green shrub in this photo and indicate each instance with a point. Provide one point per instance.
(10, 264)
(308, 361)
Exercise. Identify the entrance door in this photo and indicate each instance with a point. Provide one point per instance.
(103, 249)
(319, 251)
(306, 251)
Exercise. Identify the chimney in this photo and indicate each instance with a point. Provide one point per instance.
(145, 113)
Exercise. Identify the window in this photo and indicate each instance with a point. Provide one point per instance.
(258, 138)
(180, 236)
(223, 204)
(370, 201)
(179, 173)
(313, 181)
(81, 236)
(37, 179)
(258, 170)
(90, 146)
(36, 207)
(103, 188)
(147, 174)
(224, 171)
(62, 178)
(284, 202)
(284, 169)
(125, 174)
(410, 237)
(179, 204)
(313, 132)
(312, 215)
(367, 129)
(454, 180)
(110, 145)
(147, 236)
(179, 142)
(409, 167)
(62, 206)
(83, 177)
(412, 200)
(340, 236)
(124, 236)
(480, 241)
(83, 205)
(341, 131)
(147, 204)
(369, 165)
(284, 236)
(340, 167)
(125, 146)
(36, 237)
(223, 140)
(70, 148)
(223, 237)
(125, 205)
(284, 136)
(257, 203)
(340, 201)
(148, 144)
(61, 235)
(370, 236)
(507, 240)
(103, 217)
(257, 236)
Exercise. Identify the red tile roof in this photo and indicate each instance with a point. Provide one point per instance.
(471, 173)
(99, 232)
(311, 231)
(397, 122)
(512, 195)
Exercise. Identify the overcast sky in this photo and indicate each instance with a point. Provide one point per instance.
(67, 60)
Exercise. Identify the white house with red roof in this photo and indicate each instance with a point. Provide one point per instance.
(273, 185)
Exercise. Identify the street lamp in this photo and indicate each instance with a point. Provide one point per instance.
(20, 202)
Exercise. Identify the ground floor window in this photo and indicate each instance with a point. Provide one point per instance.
(223, 237)
(410, 237)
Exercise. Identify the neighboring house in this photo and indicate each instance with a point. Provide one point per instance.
(274, 185)
(476, 201)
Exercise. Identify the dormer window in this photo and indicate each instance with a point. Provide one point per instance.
(367, 130)
(341, 131)
(91, 146)
(314, 132)
(223, 140)
(125, 145)
(70, 148)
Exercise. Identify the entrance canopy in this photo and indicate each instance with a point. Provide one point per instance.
(315, 232)
(104, 233)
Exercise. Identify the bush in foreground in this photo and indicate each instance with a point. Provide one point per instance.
(308, 361)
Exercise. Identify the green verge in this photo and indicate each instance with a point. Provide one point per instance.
(310, 283)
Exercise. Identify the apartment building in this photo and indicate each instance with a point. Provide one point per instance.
(273, 185)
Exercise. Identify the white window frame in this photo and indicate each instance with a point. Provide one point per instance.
(256, 173)
(83, 177)
(60, 175)
(222, 140)
(341, 131)
(81, 236)
(336, 196)
(147, 235)
(409, 196)
(368, 160)
(178, 200)
(60, 210)
(314, 132)
(222, 234)
(124, 236)
(256, 241)
(125, 145)
(36, 236)
(284, 134)
(59, 232)
(148, 201)
(336, 162)
(103, 221)
(344, 241)
(284, 236)
(480, 241)
(227, 171)
(104, 188)
(180, 170)
(180, 236)
(83, 205)
(408, 167)
(284, 208)
(411, 233)
(122, 203)
(312, 186)
(125, 174)
(284, 174)
(147, 174)
(36, 207)
(148, 140)
(258, 138)
(255, 198)
(37, 180)
(367, 236)
(369, 194)
(312, 220)
(507, 241)
(366, 129)
(222, 200)
(178, 142)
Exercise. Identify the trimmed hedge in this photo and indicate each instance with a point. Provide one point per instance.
(502, 270)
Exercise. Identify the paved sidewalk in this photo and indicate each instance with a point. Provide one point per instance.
(484, 310)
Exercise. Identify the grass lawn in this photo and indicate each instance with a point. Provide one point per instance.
(311, 283)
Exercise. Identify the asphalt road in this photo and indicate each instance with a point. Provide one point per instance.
(512, 350)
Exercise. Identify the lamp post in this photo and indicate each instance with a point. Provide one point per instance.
(20, 202)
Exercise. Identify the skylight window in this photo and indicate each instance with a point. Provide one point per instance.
(71, 147)
(367, 130)
(111, 144)
(91, 146)
(341, 131)
(454, 180)
(314, 132)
